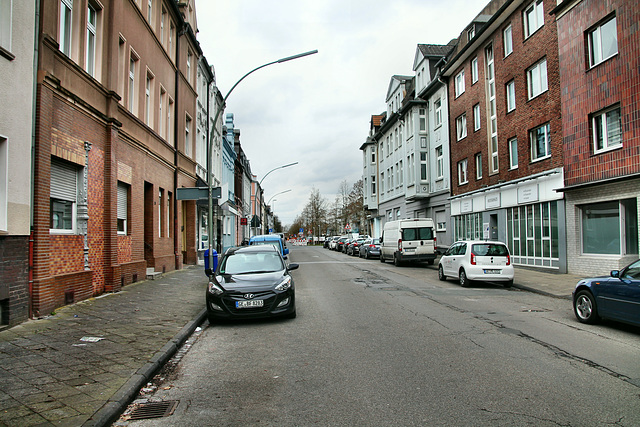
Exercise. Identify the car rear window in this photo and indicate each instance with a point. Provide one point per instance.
(489, 249)
(421, 233)
(246, 263)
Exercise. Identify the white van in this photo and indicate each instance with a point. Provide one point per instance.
(408, 240)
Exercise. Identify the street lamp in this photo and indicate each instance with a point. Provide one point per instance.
(259, 185)
(277, 194)
(215, 122)
(275, 169)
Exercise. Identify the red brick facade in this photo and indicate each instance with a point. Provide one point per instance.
(89, 121)
(528, 114)
(586, 90)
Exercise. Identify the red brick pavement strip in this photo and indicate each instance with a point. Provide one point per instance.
(50, 376)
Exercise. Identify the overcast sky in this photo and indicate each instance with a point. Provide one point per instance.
(315, 110)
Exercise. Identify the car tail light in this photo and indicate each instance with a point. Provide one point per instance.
(508, 259)
(473, 258)
(400, 245)
(372, 246)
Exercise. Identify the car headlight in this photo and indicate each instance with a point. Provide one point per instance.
(215, 289)
(284, 285)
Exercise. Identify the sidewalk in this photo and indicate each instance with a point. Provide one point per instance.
(83, 365)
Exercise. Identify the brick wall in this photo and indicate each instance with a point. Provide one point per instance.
(14, 279)
(527, 115)
(586, 91)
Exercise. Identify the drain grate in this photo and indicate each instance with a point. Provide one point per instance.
(153, 410)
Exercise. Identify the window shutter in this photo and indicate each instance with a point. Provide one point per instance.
(64, 180)
(122, 201)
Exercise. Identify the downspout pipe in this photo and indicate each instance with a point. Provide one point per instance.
(176, 232)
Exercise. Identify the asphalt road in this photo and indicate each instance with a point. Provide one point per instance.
(377, 345)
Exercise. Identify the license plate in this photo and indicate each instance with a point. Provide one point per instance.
(249, 304)
(410, 249)
(492, 272)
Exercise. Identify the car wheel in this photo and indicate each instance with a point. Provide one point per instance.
(508, 284)
(292, 315)
(584, 307)
(396, 261)
(441, 275)
(366, 255)
(381, 258)
(464, 281)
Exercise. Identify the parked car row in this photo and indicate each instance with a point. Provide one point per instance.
(361, 246)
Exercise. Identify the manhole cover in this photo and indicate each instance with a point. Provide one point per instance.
(153, 410)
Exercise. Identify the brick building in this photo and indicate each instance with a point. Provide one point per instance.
(115, 126)
(599, 61)
(506, 132)
(17, 38)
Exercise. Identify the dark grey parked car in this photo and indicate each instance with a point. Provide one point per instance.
(370, 248)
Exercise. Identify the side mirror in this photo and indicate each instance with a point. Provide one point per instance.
(615, 273)
(292, 267)
(207, 270)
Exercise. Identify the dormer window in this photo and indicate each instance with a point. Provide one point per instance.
(471, 32)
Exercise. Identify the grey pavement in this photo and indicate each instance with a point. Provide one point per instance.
(85, 363)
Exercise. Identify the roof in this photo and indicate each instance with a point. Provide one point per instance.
(435, 50)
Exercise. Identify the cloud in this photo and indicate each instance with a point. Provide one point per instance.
(316, 110)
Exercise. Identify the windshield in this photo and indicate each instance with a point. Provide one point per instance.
(421, 233)
(248, 263)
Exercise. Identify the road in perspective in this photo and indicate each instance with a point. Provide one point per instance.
(375, 344)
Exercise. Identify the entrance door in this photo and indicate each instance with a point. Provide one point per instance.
(493, 226)
(149, 229)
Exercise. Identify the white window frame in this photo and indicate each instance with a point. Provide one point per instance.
(92, 37)
(134, 61)
(602, 121)
(438, 112)
(507, 37)
(596, 45)
(537, 81)
(474, 70)
(424, 170)
(535, 156)
(459, 83)
(73, 200)
(478, 159)
(462, 172)
(187, 135)
(122, 208)
(4, 180)
(66, 26)
(533, 18)
(439, 162)
(373, 185)
(513, 153)
(461, 127)
(511, 96)
(476, 117)
(422, 115)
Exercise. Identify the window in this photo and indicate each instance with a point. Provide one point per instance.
(511, 96)
(493, 118)
(148, 100)
(461, 127)
(438, 112)
(163, 19)
(381, 150)
(439, 162)
(533, 18)
(133, 68)
(189, 58)
(474, 70)
(476, 117)
(462, 172)
(479, 166)
(150, 11)
(423, 142)
(161, 217)
(423, 119)
(5, 24)
(459, 83)
(513, 153)
(603, 42)
(607, 130)
(537, 79)
(400, 172)
(161, 115)
(470, 33)
(170, 135)
(123, 207)
(540, 147)
(373, 185)
(423, 166)
(507, 37)
(610, 228)
(92, 20)
(373, 155)
(66, 11)
(63, 196)
(382, 183)
(187, 137)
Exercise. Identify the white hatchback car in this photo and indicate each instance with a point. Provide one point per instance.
(479, 260)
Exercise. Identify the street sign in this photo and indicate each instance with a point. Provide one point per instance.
(197, 193)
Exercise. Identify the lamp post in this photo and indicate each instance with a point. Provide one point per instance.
(215, 122)
(259, 185)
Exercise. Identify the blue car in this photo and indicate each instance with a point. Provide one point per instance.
(616, 297)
